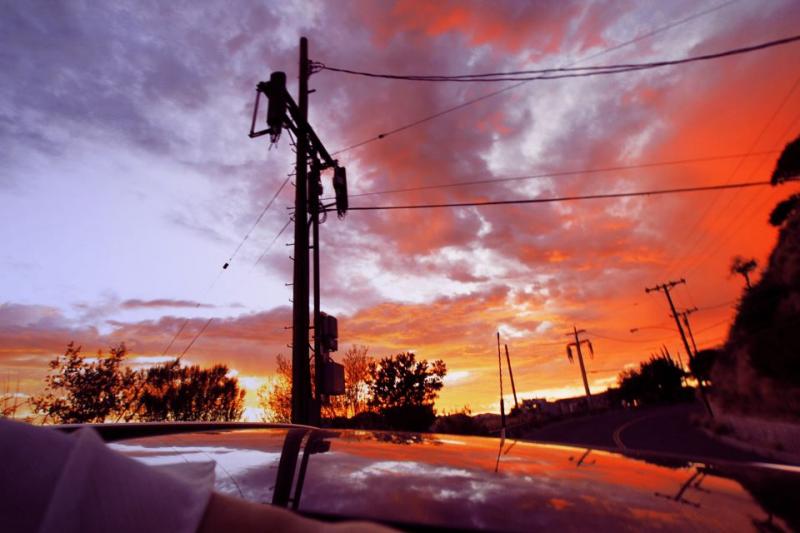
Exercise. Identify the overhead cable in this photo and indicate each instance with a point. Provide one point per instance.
(562, 173)
(568, 72)
(600, 196)
(486, 96)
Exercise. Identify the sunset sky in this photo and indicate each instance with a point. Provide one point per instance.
(127, 180)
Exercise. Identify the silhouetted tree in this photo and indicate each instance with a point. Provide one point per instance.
(783, 209)
(403, 390)
(402, 380)
(275, 397)
(702, 364)
(788, 165)
(743, 267)
(82, 390)
(758, 370)
(630, 386)
(786, 168)
(189, 393)
(657, 380)
(78, 390)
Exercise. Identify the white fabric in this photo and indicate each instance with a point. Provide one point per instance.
(53, 482)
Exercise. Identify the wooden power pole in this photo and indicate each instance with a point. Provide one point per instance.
(577, 344)
(283, 112)
(665, 287)
(301, 371)
(685, 316)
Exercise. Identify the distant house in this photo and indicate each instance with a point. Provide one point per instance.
(545, 409)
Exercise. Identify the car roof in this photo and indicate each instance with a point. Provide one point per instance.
(452, 481)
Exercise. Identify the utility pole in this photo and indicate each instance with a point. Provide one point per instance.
(301, 371)
(511, 375)
(685, 316)
(577, 344)
(502, 402)
(283, 112)
(666, 288)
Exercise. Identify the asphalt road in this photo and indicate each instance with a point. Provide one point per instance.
(666, 429)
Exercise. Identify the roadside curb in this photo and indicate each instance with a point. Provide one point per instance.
(784, 457)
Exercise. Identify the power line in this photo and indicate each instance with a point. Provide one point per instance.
(714, 325)
(203, 329)
(194, 339)
(258, 220)
(571, 72)
(565, 198)
(559, 343)
(743, 216)
(557, 174)
(717, 306)
(274, 239)
(519, 84)
(227, 263)
(672, 267)
(630, 341)
(642, 341)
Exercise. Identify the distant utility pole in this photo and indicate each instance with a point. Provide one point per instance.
(502, 402)
(685, 316)
(577, 344)
(666, 288)
(284, 112)
(511, 375)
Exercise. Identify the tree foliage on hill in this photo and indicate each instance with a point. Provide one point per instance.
(783, 209)
(788, 165)
(787, 168)
(758, 369)
(658, 380)
(100, 389)
(702, 363)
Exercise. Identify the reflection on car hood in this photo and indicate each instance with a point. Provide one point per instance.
(471, 482)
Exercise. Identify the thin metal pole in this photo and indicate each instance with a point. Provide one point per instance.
(511, 375)
(319, 359)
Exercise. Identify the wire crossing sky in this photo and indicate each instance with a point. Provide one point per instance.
(571, 72)
(602, 196)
